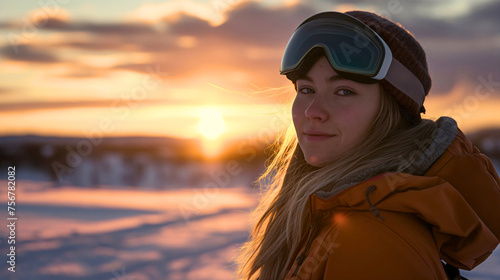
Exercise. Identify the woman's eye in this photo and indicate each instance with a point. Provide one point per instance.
(344, 92)
(306, 90)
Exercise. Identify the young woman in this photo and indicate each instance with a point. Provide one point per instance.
(363, 188)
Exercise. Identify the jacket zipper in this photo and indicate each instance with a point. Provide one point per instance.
(313, 228)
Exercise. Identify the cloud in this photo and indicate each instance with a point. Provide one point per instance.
(28, 53)
(247, 24)
(5, 91)
(479, 21)
(253, 24)
(406, 9)
(448, 67)
(5, 25)
(189, 25)
(488, 11)
(212, 12)
(31, 106)
(244, 42)
(81, 72)
(64, 24)
(34, 106)
(96, 28)
(149, 43)
(462, 46)
(483, 20)
(252, 37)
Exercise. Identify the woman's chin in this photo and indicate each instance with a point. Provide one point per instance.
(316, 161)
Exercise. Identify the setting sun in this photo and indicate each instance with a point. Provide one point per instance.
(211, 124)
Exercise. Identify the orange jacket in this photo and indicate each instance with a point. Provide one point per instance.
(400, 226)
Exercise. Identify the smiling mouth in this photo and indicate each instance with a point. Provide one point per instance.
(313, 136)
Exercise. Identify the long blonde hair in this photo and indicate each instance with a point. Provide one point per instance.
(281, 217)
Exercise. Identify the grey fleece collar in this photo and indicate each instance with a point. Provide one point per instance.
(445, 132)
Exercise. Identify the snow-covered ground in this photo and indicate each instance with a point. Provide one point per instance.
(104, 234)
(130, 234)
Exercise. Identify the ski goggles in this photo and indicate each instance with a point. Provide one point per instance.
(353, 49)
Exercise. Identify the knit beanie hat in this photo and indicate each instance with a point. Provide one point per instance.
(406, 49)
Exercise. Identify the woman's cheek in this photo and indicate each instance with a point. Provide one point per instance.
(298, 111)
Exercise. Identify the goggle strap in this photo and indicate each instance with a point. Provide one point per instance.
(403, 79)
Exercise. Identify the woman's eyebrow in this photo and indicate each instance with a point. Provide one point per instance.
(333, 78)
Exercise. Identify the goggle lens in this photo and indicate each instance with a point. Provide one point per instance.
(350, 48)
(354, 50)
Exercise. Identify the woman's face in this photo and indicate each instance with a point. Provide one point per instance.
(332, 114)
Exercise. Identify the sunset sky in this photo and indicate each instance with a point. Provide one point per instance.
(156, 68)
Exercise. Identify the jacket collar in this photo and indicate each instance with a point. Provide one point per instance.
(444, 134)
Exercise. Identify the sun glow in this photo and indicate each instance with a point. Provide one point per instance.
(211, 124)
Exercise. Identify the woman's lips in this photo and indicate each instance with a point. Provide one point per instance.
(317, 135)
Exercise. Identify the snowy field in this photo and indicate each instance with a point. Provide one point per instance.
(108, 234)
(131, 234)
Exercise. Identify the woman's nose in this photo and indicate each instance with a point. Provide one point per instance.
(316, 109)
